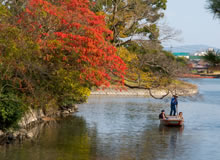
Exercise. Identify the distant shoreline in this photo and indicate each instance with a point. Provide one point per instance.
(200, 76)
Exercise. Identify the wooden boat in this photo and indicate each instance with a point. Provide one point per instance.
(172, 121)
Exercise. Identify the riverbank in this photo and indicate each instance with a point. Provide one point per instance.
(30, 124)
(182, 89)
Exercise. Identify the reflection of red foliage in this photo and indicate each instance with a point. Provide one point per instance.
(69, 32)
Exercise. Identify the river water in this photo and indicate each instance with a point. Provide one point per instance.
(125, 128)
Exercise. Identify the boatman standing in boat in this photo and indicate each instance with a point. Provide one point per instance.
(173, 105)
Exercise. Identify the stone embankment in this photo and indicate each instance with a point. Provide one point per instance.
(144, 92)
(29, 126)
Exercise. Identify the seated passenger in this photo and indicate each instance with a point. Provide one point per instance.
(180, 116)
(162, 115)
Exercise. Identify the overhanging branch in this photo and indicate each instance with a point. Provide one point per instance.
(150, 91)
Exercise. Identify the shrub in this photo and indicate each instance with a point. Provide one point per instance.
(11, 110)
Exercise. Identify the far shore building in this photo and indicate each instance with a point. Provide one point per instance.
(196, 61)
(198, 64)
(181, 54)
(195, 58)
(200, 53)
(203, 53)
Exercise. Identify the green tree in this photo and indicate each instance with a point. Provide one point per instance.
(214, 7)
(15, 79)
(131, 18)
(212, 58)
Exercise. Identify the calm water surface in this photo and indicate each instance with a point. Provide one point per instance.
(125, 128)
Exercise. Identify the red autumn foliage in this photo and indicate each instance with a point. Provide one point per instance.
(72, 36)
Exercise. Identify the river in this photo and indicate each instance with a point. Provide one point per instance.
(127, 128)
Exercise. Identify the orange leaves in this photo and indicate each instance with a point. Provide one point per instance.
(77, 25)
(61, 35)
(27, 10)
(47, 57)
(45, 34)
(81, 39)
(64, 58)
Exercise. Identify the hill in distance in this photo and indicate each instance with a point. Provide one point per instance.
(190, 48)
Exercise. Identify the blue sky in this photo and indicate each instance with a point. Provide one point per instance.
(197, 24)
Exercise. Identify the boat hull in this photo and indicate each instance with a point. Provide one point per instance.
(172, 121)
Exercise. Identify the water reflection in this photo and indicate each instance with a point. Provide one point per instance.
(159, 142)
(66, 140)
(173, 138)
(127, 128)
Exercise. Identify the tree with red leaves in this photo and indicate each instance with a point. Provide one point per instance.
(73, 37)
(51, 54)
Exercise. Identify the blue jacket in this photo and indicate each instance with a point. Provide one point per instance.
(174, 102)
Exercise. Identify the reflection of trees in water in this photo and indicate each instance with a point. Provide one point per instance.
(70, 139)
(161, 143)
(153, 144)
(67, 139)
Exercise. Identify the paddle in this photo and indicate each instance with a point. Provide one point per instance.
(177, 110)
